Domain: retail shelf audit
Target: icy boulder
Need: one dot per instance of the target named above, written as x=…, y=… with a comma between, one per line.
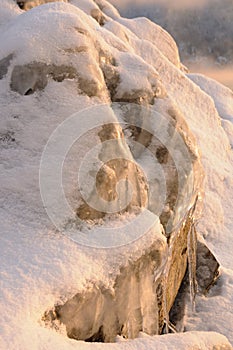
x=100, y=114
x=64, y=51
x=99, y=314
x=60, y=52
x=140, y=134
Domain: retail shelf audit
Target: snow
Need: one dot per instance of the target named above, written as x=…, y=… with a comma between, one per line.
x=222, y=97
x=9, y=11
x=39, y=265
x=103, y=5
x=149, y=31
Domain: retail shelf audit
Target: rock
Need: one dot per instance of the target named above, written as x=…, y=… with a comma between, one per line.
x=146, y=128
x=4, y=64
x=59, y=62
x=32, y=77
x=130, y=318
x=98, y=16
x=7, y=138
x=207, y=268
x=207, y=272
x=134, y=189
x=99, y=314
x=137, y=300
x=28, y=79
x=29, y=4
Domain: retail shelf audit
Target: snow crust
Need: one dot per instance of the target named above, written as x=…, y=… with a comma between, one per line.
x=39, y=266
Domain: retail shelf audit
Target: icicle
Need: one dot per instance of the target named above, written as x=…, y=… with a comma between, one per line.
x=192, y=255
x=171, y=327
x=161, y=275
x=164, y=288
x=166, y=314
x=192, y=258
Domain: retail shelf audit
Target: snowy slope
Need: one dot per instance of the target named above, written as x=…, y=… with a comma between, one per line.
x=39, y=266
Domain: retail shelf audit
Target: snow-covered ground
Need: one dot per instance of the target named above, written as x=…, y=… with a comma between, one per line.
x=40, y=266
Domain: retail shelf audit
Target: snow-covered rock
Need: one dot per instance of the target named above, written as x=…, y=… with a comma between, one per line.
x=88, y=95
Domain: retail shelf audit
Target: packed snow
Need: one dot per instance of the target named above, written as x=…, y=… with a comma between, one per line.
x=39, y=265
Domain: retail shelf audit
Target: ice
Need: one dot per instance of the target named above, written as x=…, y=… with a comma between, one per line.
x=192, y=251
